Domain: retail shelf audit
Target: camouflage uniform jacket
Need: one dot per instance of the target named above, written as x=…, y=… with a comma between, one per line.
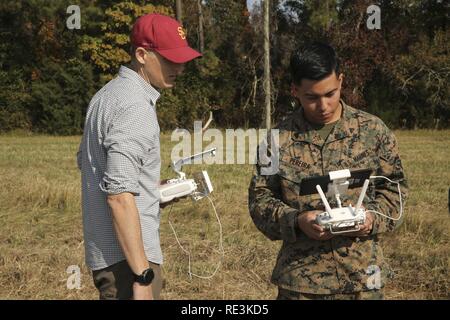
x=342, y=264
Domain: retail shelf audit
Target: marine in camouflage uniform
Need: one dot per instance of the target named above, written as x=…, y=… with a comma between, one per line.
x=340, y=265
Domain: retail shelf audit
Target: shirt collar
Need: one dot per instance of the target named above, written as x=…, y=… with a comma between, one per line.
x=150, y=93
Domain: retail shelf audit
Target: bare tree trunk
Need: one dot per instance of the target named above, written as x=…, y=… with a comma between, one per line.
x=179, y=9
x=200, y=26
x=267, y=63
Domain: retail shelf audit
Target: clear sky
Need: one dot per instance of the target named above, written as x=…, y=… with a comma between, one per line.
x=250, y=4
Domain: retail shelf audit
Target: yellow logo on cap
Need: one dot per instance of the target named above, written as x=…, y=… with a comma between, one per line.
x=182, y=33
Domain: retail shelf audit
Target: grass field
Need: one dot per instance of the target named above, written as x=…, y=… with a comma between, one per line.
x=41, y=230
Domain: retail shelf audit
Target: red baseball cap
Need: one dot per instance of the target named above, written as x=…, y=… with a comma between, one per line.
x=164, y=35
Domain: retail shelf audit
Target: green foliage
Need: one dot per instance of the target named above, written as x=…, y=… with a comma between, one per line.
x=321, y=14
x=13, y=101
x=384, y=102
x=110, y=48
x=422, y=76
x=48, y=73
x=60, y=96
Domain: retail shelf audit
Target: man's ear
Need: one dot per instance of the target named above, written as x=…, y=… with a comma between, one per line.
x=341, y=79
x=294, y=90
x=139, y=55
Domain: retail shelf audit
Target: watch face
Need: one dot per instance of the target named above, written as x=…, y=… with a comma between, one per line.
x=148, y=276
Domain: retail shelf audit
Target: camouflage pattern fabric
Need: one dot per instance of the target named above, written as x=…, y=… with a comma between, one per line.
x=284, y=294
x=342, y=264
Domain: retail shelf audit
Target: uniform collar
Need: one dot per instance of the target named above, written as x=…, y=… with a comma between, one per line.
x=150, y=93
x=344, y=127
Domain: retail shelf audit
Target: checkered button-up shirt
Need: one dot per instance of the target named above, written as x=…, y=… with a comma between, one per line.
x=119, y=152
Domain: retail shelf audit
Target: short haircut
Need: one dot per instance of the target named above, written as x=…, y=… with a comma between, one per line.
x=315, y=61
x=132, y=51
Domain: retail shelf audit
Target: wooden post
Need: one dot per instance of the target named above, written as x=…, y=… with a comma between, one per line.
x=267, y=63
x=179, y=10
x=200, y=26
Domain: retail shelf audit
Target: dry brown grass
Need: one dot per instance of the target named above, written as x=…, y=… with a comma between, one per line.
x=40, y=230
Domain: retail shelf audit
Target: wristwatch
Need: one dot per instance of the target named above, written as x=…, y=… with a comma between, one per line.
x=145, y=278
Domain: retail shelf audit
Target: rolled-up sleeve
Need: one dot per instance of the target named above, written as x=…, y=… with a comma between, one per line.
x=128, y=143
x=79, y=158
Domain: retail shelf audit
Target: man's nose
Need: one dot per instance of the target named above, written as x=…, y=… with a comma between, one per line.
x=322, y=103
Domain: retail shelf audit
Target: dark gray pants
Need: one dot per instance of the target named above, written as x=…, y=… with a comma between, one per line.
x=116, y=282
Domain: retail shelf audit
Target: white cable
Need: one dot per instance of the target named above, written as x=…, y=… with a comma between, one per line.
x=222, y=252
x=188, y=252
x=176, y=237
x=400, y=197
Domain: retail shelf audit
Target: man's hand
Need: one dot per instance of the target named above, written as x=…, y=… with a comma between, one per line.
x=141, y=292
x=163, y=205
x=307, y=223
x=365, y=229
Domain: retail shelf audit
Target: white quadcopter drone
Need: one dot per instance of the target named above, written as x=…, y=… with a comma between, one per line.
x=197, y=188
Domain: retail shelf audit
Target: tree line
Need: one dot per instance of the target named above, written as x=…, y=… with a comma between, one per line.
x=399, y=72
